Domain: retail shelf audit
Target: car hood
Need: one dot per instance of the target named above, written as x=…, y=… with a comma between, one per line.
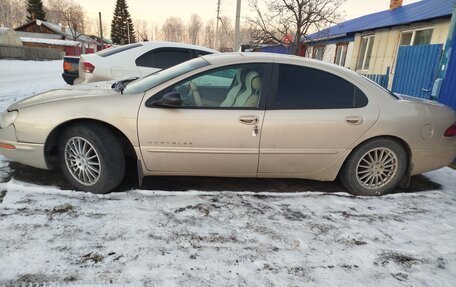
x=73, y=92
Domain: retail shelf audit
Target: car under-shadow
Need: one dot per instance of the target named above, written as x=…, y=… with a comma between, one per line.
x=56, y=178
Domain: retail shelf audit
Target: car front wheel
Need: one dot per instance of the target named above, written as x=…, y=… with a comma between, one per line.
x=375, y=168
x=91, y=158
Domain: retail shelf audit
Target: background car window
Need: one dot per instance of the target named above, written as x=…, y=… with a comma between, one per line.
x=306, y=88
x=163, y=58
x=197, y=53
x=237, y=86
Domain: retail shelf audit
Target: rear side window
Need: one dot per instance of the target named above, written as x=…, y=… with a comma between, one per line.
x=112, y=51
x=306, y=88
x=163, y=58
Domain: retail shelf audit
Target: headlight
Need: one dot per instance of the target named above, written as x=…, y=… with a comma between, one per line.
x=7, y=119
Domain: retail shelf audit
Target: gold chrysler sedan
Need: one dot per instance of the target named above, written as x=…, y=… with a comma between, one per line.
x=234, y=115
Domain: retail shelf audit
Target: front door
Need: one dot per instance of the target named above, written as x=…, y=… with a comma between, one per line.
x=216, y=129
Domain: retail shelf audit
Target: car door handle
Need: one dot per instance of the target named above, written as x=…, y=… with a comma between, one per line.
x=354, y=120
x=248, y=120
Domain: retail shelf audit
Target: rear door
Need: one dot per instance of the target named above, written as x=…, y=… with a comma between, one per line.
x=314, y=116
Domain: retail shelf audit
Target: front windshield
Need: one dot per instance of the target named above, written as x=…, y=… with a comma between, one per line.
x=155, y=79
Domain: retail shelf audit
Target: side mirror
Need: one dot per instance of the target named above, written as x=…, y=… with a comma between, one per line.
x=170, y=100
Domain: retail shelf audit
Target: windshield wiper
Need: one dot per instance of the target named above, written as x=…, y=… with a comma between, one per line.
x=120, y=86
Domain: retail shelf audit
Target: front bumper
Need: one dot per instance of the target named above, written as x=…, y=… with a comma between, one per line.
x=31, y=154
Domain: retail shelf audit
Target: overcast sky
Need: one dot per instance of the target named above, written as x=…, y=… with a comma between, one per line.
x=156, y=11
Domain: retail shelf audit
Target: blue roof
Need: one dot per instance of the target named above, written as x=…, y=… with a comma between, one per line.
x=415, y=12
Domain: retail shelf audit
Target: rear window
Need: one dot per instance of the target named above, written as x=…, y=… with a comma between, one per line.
x=112, y=51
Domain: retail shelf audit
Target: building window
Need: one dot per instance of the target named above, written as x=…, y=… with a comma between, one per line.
x=416, y=37
x=341, y=54
x=318, y=52
x=365, y=52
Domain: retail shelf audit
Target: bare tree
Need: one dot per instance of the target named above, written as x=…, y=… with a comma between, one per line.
x=12, y=13
x=209, y=35
x=278, y=18
x=152, y=35
x=157, y=33
x=194, y=28
x=226, y=33
x=92, y=26
x=68, y=13
x=246, y=35
x=173, y=29
x=142, y=29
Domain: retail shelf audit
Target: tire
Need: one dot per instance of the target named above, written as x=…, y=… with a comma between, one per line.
x=102, y=168
x=375, y=168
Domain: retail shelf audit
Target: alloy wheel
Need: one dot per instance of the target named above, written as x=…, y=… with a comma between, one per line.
x=82, y=161
x=376, y=168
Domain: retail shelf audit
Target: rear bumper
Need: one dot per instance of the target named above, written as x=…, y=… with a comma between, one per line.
x=26, y=153
x=69, y=77
x=427, y=160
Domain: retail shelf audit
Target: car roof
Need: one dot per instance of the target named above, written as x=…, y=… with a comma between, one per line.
x=159, y=44
x=248, y=57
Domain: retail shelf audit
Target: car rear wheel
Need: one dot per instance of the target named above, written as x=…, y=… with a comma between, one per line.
x=91, y=158
x=375, y=168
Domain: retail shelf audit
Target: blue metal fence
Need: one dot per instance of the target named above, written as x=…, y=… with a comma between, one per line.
x=380, y=79
x=448, y=91
x=416, y=69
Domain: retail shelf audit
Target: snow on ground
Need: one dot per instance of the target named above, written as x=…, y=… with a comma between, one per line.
x=155, y=238
x=220, y=238
x=20, y=79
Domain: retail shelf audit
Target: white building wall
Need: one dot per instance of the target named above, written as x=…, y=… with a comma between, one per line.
x=351, y=46
x=330, y=53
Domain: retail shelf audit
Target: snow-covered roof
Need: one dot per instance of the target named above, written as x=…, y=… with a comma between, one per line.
x=38, y=35
x=59, y=30
x=51, y=41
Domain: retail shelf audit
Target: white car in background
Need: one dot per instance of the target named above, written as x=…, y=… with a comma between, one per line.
x=134, y=60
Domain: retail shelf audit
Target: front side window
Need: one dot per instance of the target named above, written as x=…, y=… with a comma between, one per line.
x=238, y=86
x=365, y=53
x=307, y=88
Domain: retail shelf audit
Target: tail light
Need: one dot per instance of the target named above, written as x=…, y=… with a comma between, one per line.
x=67, y=66
x=88, y=68
x=451, y=131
